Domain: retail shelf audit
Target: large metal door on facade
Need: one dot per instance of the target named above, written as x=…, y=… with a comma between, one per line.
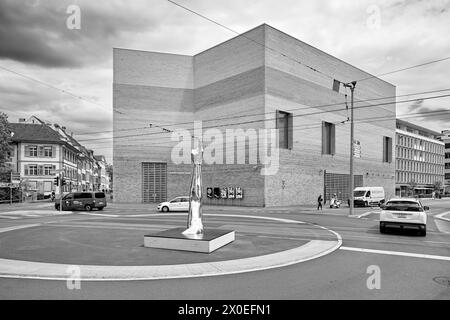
x=154, y=182
x=339, y=184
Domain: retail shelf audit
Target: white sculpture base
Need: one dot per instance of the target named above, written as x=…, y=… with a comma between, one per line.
x=173, y=239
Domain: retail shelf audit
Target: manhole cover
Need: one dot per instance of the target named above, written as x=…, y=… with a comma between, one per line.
x=444, y=281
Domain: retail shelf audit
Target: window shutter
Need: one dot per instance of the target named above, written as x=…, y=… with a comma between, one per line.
x=40, y=170
x=53, y=167
x=384, y=149
x=332, y=139
x=41, y=151
x=53, y=152
x=26, y=170
x=27, y=151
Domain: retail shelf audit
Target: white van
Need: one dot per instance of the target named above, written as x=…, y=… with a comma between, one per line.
x=366, y=196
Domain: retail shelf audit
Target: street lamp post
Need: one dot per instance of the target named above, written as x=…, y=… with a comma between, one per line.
x=352, y=86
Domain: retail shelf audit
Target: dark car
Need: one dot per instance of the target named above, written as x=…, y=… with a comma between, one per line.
x=82, y=201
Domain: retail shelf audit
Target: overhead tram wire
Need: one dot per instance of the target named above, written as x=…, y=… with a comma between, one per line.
x=295, y=109
x=302, y=127
x=404, y=69
x=263, y=120
x=253, y=40
x=59, y=89
x=283, y=54
x=339, y=123
x=271, y=119
x=367, y=120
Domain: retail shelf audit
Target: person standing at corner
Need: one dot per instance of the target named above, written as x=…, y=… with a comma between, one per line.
x=319, y=202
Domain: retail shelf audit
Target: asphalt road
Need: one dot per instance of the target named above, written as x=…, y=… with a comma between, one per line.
x=409, y=266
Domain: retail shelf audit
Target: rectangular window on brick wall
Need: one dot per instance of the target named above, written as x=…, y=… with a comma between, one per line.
x=328, y=138
x=387, y=149
x=284, y=122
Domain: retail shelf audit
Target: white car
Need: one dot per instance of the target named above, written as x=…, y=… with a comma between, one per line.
x=176, y=204
x=404, y=213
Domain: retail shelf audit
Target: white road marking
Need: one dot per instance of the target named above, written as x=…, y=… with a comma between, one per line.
x=32, y=213
x=359, y=216
x=101, y=214
x=441, y=216
x=397, y=253
x=18, y=227
x=8, y=217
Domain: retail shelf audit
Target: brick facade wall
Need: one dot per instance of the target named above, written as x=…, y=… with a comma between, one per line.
x=237, y=78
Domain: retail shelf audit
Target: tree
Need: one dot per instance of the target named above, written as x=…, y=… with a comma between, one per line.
x=109, y=171
x=437, y=186
x=5, y=147
x=412, y=187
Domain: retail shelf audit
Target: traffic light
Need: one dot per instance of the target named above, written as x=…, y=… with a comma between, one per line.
x=56, y=181
x=63, y=181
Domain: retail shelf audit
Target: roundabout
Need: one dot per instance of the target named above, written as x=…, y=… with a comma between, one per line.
x=110, y=248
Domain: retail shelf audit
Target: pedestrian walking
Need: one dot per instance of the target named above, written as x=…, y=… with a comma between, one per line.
x=319, y=202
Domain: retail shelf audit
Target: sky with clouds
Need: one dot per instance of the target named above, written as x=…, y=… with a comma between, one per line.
x=376, y=36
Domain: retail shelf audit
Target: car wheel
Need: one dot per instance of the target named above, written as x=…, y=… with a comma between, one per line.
x=165, y=209
x=57, y=207
x=100, y=208
x=423, y=232
x=88, y=207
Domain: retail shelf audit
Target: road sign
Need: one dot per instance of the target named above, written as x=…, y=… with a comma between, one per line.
x=15, y=177
x=356, y=149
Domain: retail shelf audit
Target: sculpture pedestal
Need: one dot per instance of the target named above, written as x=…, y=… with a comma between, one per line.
x=173, y=239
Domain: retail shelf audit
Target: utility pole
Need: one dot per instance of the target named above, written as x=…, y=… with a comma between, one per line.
x=60, y=192
x=352, y=86
x=10, y=189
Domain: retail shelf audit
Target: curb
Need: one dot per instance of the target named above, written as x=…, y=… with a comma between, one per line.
x=52, y=271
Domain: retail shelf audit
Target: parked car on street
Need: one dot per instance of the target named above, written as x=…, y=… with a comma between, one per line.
x=404, y=214
x=82, y=201
x=176, y=204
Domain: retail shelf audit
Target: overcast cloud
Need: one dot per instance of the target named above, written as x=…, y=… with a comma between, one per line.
x=376, y=36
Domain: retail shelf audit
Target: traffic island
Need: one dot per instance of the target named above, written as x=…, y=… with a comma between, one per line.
x=111, y=248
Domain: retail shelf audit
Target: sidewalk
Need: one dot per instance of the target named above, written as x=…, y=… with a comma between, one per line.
x=30, y=205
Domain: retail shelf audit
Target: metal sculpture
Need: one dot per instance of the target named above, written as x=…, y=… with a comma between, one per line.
x=194, y=224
